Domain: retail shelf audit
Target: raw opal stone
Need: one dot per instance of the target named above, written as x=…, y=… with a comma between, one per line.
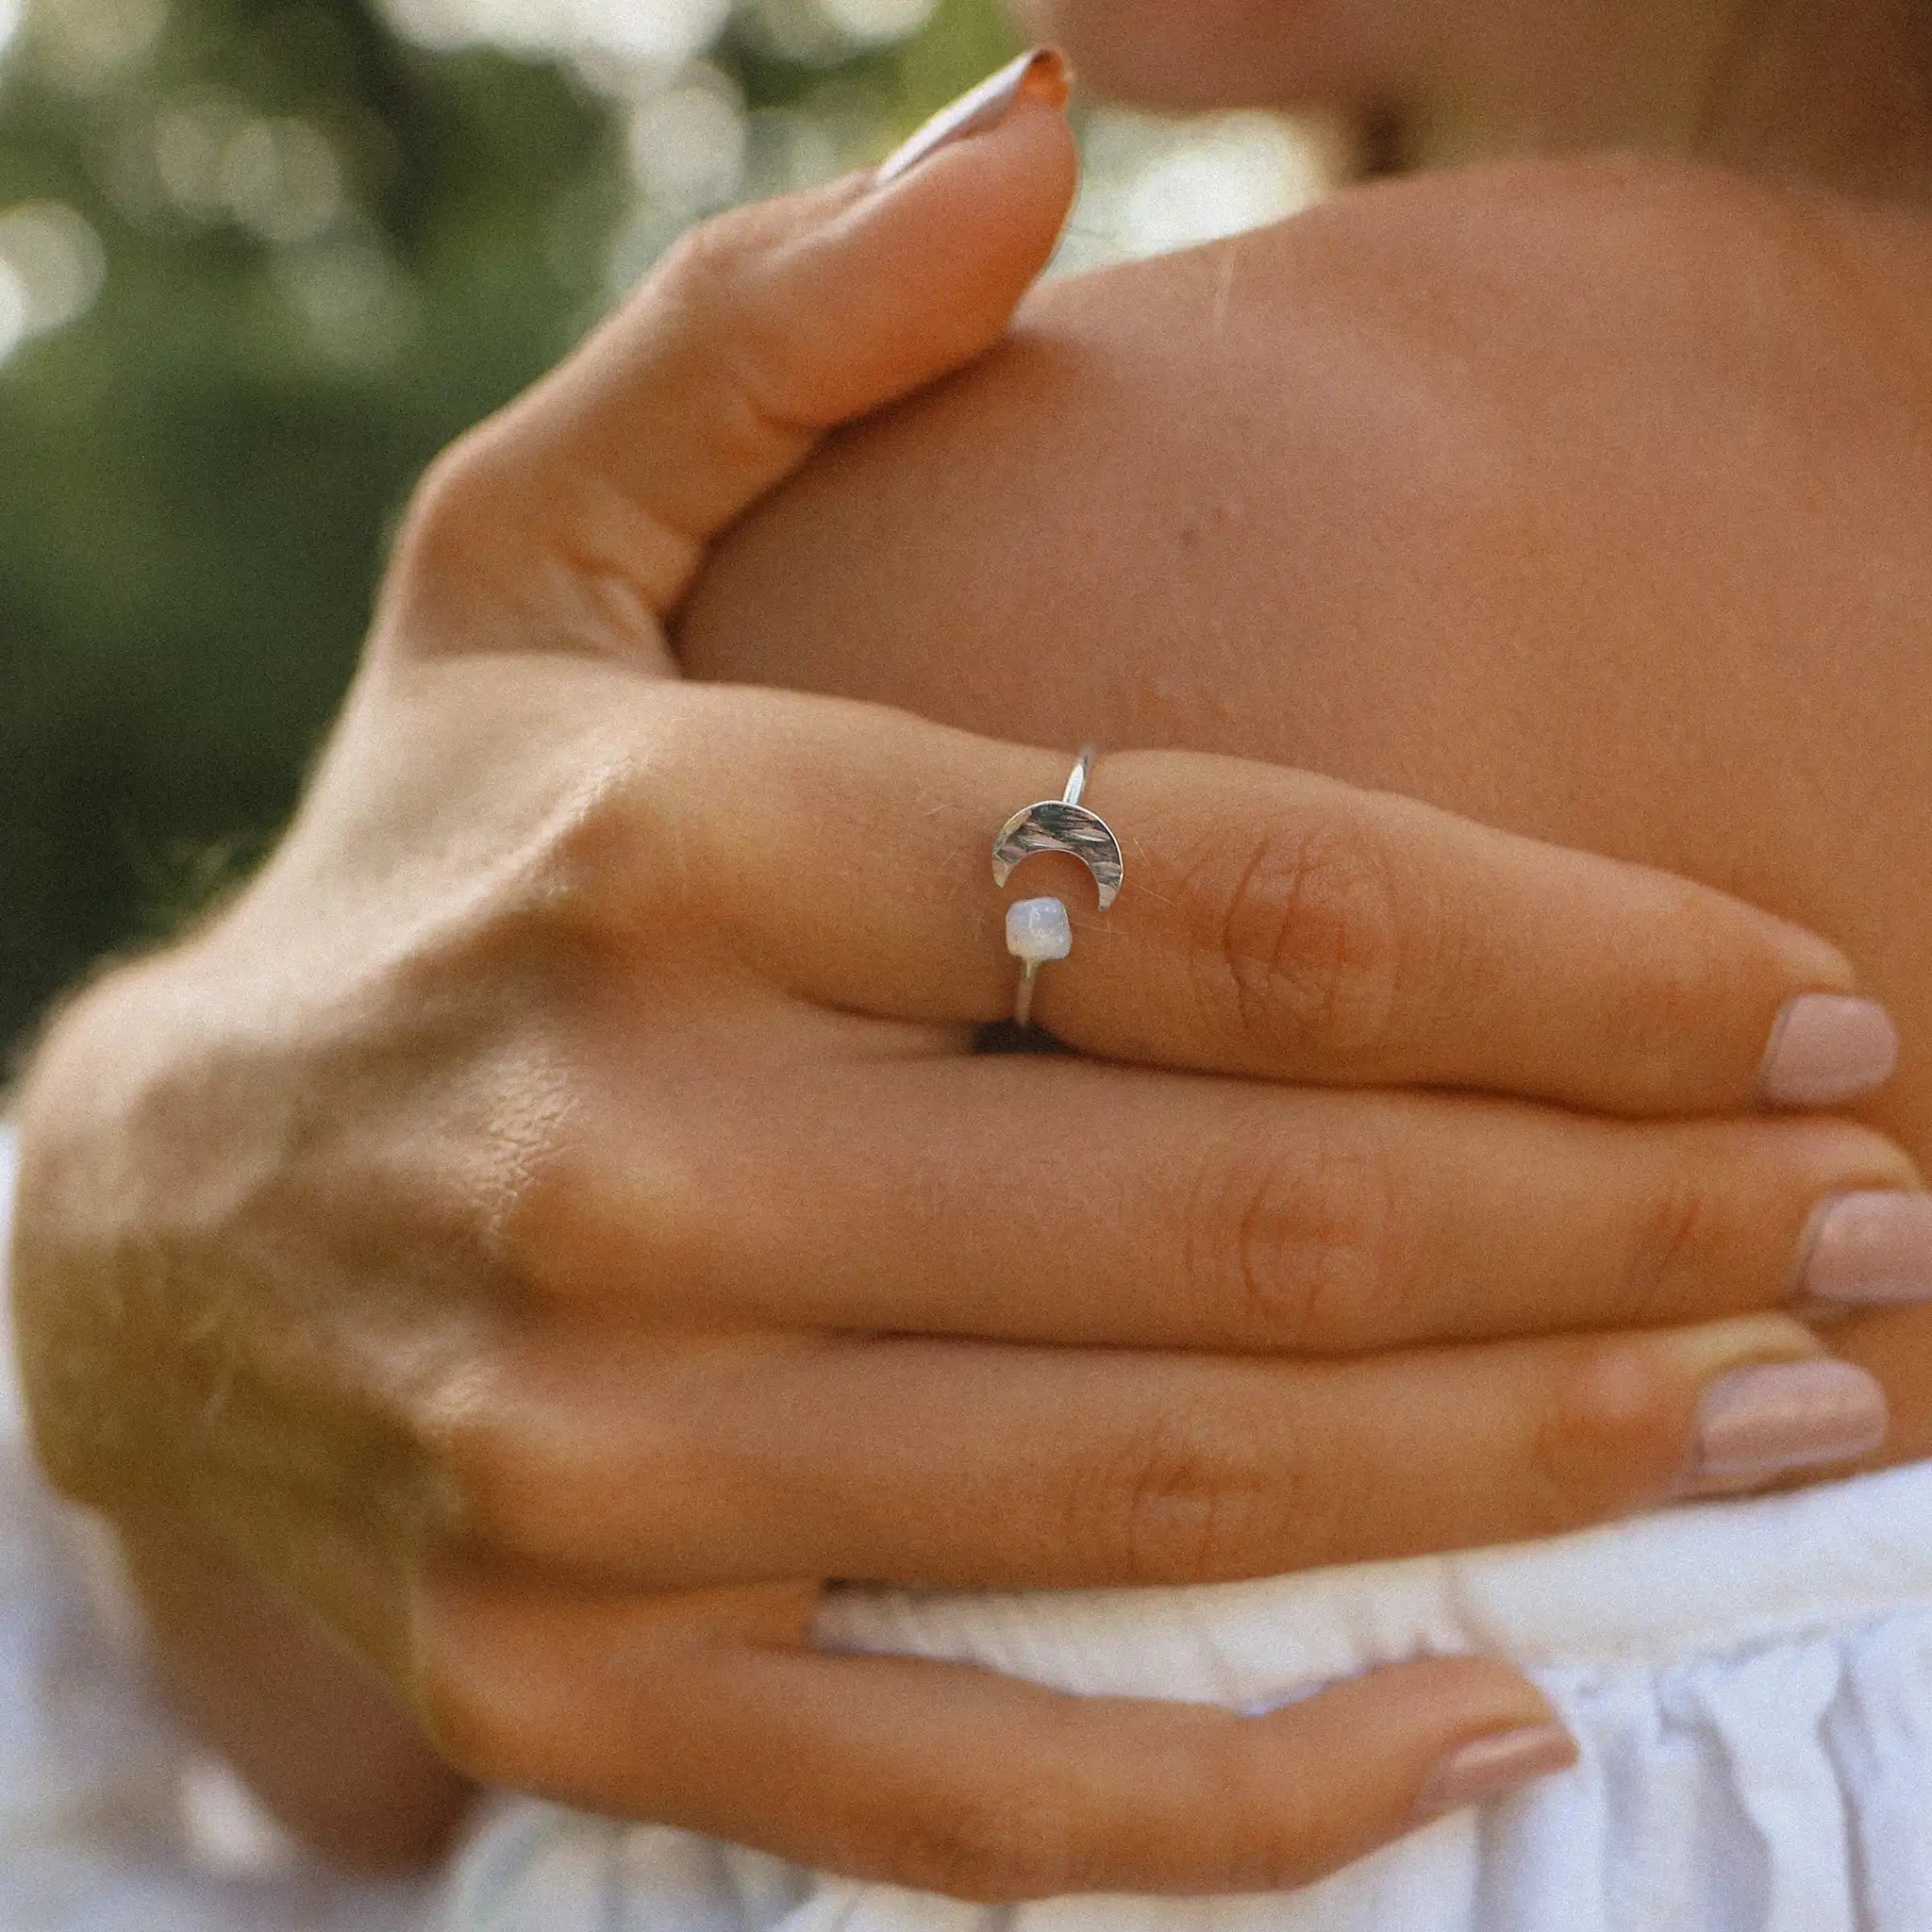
x=1039, y=929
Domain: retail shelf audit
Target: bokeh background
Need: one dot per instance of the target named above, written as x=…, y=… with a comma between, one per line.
x=259, y=262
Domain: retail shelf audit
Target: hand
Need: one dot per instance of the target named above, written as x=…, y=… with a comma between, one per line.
x=553, y=1221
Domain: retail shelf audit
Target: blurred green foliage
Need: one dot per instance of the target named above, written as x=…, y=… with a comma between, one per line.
x=199, y=472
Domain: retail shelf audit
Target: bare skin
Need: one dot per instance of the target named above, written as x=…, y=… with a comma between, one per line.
x=507, y=1669
x=1586, y=500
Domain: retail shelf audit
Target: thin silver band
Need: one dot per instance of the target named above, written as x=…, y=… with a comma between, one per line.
x=1023, y=998
x=1083, y=766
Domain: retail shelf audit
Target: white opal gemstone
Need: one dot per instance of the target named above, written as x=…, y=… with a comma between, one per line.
x=1039, y=929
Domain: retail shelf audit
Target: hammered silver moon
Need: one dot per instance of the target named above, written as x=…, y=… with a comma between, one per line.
x=1054, y=825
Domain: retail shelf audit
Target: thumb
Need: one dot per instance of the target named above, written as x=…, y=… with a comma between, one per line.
x=769, y=326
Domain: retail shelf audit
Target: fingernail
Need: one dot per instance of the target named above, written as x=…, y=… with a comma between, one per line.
x=1872, y=1249
x=1825, y=1048
x=1490, y=1767
x=1042, y=75
x=1760, y=1423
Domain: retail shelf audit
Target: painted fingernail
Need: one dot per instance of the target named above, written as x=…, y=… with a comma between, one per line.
x=1490, y=1767
x=1827, y=1048
x=1041, y=75
x=1760, y=1423
x=1870, y=1249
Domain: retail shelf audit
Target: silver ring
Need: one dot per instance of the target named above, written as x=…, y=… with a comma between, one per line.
x=1039, y=929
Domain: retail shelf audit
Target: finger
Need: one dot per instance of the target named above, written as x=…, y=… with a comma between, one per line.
x=983, y=1464
x=1058, y=1200
x=762, y=330
x=1271, y=922
x=950, y=1779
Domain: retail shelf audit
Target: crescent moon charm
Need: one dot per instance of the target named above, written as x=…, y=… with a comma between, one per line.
x=1054, y=825
x=1037, y=930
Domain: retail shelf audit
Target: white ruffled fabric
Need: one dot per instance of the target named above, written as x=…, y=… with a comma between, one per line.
x=1751, y=1684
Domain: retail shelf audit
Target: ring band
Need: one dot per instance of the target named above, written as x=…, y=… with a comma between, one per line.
x=1039, y=929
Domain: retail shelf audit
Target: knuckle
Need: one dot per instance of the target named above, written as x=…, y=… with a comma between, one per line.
x=465, y=1657
x=545, y=1452
x=1301, y=940
x=508, y=1464
x=613, y=856
x=538, y=1226
x=1298, y=1240
x=1610, y=1434
x=1190, y=1497
x=709, y=258
x=1672, y=1265
x=595, y=850
x=1669, y=989
x=744, y=352
x=518, y=1687
x=458, y=508
x=575, y=1238
x=471, y=1733
x=634, y=850
x=471, y=1432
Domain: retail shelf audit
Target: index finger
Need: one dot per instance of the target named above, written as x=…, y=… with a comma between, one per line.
x=1270, y=922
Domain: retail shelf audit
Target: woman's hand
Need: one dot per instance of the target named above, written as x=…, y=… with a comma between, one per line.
x=554, y=1220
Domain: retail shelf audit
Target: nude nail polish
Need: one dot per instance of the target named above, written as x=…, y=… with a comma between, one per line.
x=1492, y=1767
x=1872, y=1249
x=1041, y=74
x=1827, y=1048
x=1757, y=1424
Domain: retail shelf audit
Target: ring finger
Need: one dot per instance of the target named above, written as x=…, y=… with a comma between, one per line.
x=1271, y=923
